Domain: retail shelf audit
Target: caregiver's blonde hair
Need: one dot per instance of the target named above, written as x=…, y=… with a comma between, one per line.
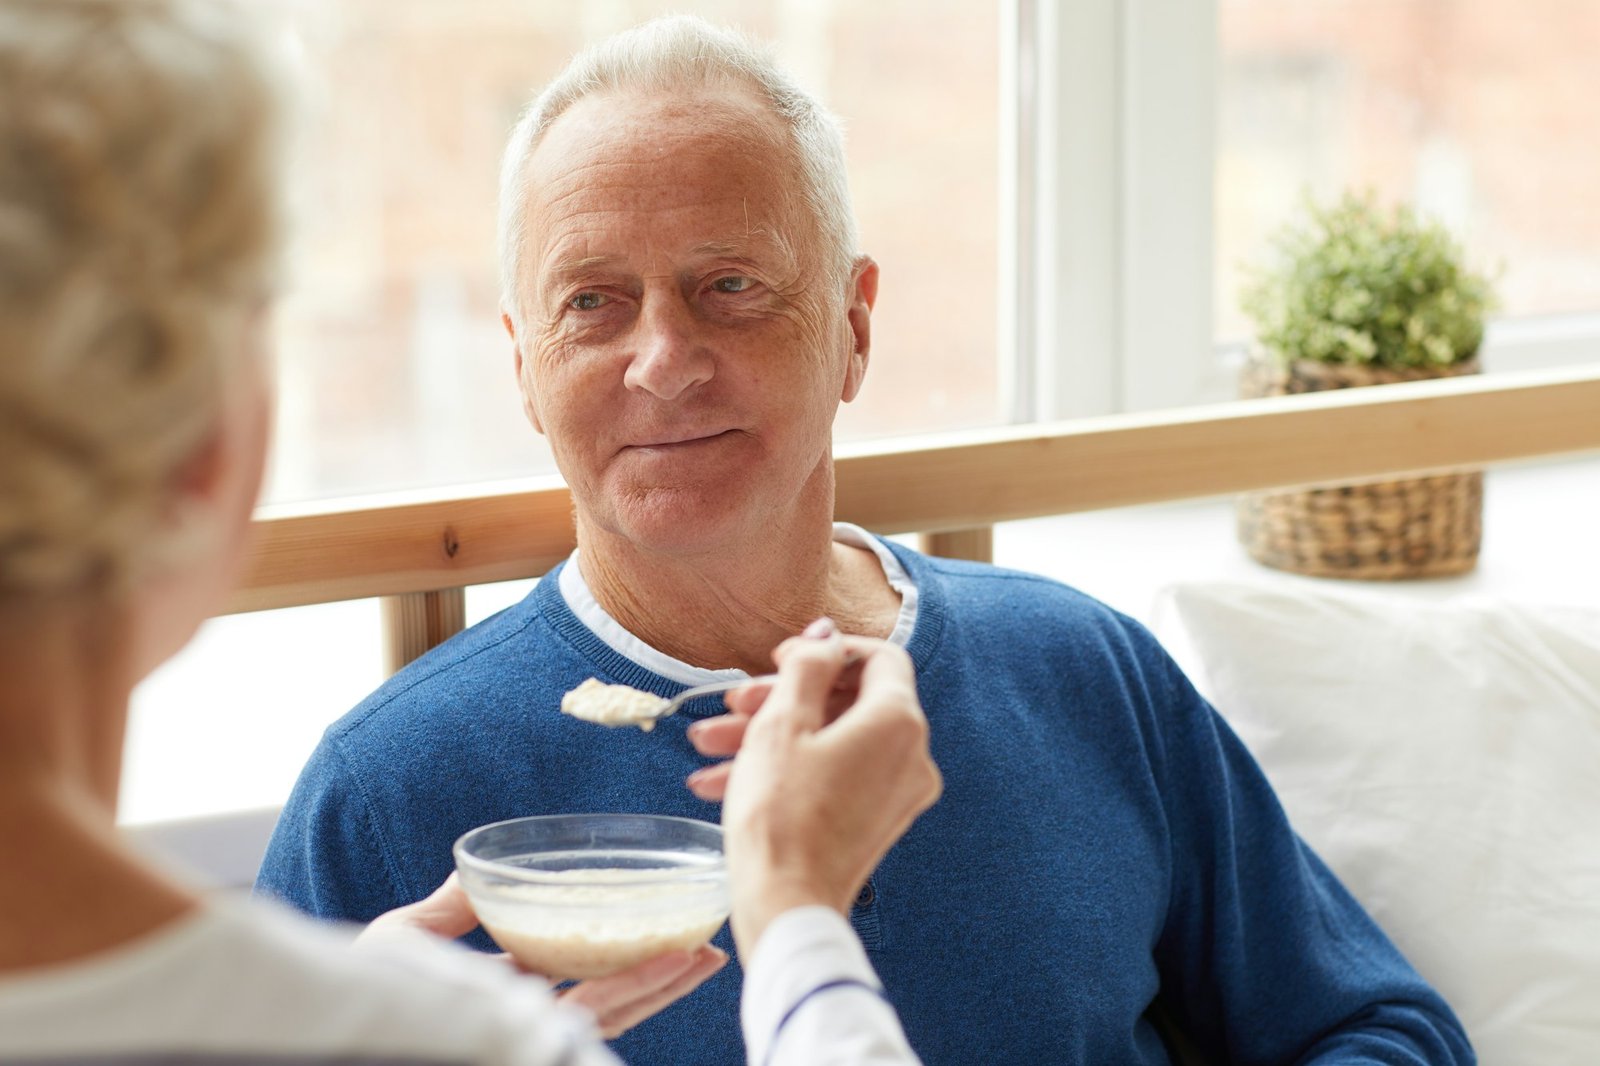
x=138, y=236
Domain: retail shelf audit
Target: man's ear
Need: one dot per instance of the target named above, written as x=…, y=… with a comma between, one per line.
x=524, y=385
x=863, y=295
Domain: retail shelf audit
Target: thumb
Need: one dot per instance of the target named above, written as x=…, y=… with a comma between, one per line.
x=447, y=912
x=808, y=668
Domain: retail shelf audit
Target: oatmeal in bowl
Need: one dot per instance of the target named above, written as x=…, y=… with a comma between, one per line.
x=575, y=896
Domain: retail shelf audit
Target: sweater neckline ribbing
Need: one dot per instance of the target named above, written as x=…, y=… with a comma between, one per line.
x=612, y=666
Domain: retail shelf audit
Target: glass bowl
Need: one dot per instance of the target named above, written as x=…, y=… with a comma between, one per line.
x=574, y=896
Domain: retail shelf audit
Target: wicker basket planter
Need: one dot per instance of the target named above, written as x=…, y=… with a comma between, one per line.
x=1418, y=527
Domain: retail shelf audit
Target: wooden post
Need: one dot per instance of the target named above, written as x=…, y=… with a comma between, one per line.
x=414, y=622
x=976, y=544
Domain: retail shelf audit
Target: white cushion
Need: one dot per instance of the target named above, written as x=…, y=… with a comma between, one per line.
x=1444, y=760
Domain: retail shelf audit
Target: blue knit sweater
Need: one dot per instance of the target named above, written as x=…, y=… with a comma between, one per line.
x=1103, y=841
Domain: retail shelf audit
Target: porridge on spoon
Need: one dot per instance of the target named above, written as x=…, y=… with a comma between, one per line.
x=613, y=705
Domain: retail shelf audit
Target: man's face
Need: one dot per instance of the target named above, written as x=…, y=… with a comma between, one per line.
x=681, y=343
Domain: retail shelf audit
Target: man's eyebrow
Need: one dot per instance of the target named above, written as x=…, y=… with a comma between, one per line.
x=720, y=248
x=762, y=245
x=563, y=269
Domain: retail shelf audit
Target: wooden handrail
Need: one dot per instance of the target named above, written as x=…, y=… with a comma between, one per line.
x=478, y=534
x=1338, y=437
x=381, y=546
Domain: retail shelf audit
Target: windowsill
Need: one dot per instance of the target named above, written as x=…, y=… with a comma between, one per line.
x=1540, y=523
x=1512, y=343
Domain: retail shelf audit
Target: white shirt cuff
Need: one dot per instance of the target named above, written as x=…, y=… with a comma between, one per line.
x=805, y=956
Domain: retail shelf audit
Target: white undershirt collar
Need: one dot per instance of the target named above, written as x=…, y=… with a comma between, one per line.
x=575, y=591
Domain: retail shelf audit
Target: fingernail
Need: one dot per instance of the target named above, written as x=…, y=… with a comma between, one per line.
x=694, y=730
x=821, y=629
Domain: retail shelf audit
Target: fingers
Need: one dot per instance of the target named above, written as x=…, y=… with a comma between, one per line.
x=887, y=698
x=823, y=629
x=722, y=736
x=888, y=720
x=710, y=783
x=747, y=699
x=886, y=672
x=446, y=913
x=719, y=737
x=625, y=999
x=708, y=960
x=807, y=669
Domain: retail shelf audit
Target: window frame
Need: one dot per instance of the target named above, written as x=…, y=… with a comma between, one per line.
x=1108, y=156
x=1108, y=166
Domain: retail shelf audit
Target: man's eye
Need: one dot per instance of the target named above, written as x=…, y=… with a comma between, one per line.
x=586, y=301
x=732, y=283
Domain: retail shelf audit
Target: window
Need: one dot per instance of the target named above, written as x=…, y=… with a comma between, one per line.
x=1160, y=144
x=1479, y=113
x=396, y=372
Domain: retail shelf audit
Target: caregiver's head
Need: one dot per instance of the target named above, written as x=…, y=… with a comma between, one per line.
x=138, y=243
x=682, y=283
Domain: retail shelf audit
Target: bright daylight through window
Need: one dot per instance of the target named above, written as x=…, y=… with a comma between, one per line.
x=396, y=372
x=1481, y=114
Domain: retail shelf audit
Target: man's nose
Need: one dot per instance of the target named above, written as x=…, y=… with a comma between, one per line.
x=669, y=357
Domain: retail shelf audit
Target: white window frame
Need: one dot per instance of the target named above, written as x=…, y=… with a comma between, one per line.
x=1108, y=140
x=1107, y=158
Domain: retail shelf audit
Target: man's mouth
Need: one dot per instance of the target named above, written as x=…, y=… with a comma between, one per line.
x=671, y=441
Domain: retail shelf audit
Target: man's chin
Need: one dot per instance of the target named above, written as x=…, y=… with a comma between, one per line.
x=680, y=520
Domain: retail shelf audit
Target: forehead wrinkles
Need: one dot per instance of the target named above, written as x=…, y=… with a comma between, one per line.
x=638, y=195
x=647, y=165
x=635, y=138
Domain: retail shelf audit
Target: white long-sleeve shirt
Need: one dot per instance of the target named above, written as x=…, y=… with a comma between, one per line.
x=811, y=998
x=247, y=983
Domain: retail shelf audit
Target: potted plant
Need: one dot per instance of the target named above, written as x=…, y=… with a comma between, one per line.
x=1363, y=296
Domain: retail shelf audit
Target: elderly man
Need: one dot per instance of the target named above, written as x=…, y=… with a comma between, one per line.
x=688, y=309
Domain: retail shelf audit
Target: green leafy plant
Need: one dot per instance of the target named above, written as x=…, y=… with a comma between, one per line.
x=1356, y=284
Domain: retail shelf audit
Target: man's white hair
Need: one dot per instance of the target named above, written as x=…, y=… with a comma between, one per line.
x=682, y=52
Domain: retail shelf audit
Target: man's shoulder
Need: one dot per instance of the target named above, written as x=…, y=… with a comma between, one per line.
x=1031, y=613
x=979, y=587
x=514, y=653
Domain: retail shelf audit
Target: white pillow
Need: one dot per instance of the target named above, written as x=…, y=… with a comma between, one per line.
x=1444, y=760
